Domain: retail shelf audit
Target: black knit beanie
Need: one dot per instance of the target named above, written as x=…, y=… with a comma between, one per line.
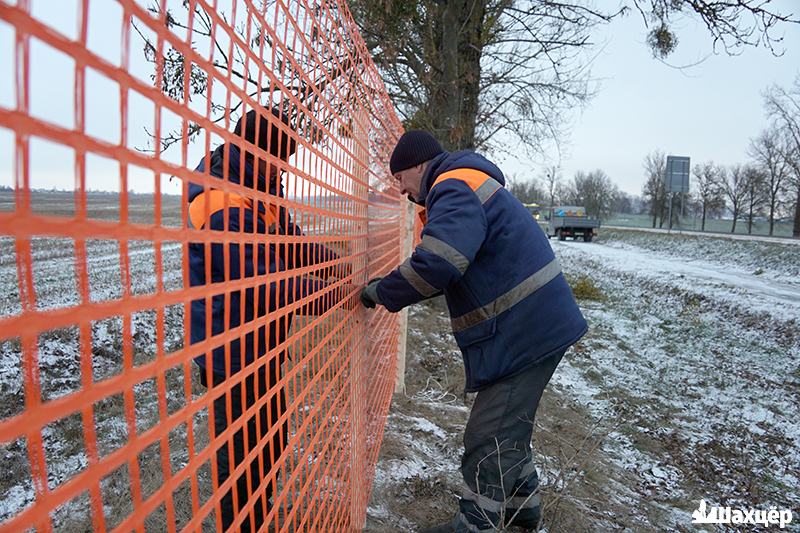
x=270, y=136
x=413, y=148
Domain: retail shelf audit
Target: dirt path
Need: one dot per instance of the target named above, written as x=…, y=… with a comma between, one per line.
x=729, y=282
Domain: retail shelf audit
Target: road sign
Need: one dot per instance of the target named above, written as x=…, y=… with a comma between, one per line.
x=677, y=176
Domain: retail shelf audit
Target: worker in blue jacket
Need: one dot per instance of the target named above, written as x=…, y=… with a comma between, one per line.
x=512, y=313
x=244, y=361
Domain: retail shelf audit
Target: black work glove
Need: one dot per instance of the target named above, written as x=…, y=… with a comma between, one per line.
x=369, y=294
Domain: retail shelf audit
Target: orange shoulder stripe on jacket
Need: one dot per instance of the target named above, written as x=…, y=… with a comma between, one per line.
x=217, y=202
x=474, y=178
x=470, y=176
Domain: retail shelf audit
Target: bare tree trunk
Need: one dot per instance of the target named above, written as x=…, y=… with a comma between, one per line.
x=654, y=208
x=796, y=227
x=446, y=96
x=735, y=218
x=771, y=217
x=470, y=49
x=703, y=221
x=452, y=111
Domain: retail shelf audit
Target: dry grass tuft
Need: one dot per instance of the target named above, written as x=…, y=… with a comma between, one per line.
x=584, y=288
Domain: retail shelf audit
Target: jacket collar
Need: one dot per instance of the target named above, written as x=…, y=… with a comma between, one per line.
x=215, y=162
x=431, y=172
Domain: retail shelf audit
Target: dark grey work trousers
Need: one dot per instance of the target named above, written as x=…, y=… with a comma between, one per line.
x=248, y=395
x=500, y=479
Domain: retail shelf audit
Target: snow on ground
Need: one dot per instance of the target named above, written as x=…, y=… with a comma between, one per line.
x=726, y=282
x=700, y=362
x=692, y=365
x=55, y=284
x=779, y=261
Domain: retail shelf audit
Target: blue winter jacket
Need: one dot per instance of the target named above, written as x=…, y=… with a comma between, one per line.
x=275, y=257
x=509, y=303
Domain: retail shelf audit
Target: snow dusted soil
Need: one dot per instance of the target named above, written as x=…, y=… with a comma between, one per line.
x=772, y=259
x=55, y=283
x=59, y=353
x=686, y=387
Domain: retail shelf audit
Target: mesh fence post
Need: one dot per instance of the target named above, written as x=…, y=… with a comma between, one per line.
x=407, y=238
x=359, y=353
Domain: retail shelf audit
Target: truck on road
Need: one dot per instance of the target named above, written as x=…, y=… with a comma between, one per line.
x=571, y=221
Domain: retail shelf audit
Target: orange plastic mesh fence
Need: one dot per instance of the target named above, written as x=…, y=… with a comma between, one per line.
x=113, y=301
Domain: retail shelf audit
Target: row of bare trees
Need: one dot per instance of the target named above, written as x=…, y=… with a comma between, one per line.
x=768, y=185
x=593, y=190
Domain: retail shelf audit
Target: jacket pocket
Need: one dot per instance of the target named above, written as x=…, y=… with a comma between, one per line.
x=477, y=333
x=476, y=347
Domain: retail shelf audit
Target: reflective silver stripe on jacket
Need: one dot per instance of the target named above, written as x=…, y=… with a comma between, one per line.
x=487, y=189
x=472, y=527
x=484, y=502
x=445, y=251
x=416, y=281
x=525, y=502
x=506, y=301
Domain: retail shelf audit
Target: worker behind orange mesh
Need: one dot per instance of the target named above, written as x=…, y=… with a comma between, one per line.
x=254, y=368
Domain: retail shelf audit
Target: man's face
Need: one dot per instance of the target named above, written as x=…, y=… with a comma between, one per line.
x=268, y=171
x=410, y=180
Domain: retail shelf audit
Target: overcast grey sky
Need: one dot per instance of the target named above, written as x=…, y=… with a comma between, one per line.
x=708, y=111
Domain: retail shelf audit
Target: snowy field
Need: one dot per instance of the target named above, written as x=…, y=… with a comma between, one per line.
x=55, y=283
x=686, y=387
x=781, y=229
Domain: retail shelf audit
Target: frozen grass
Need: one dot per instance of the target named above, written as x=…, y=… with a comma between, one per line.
x=772, y=260
x=760, y=227
x=584, y=288
x=686, y=387
x=59, y=364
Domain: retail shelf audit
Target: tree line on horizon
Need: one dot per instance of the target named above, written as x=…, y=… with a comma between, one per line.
x=593, y=190
x=765, y=187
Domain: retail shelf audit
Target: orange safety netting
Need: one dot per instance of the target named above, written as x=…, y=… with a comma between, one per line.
x=106, y=423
